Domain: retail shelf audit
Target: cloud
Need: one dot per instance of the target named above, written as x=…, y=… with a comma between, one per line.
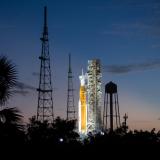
x=23, y=89
x=21, y=92
x=148, y=24
x=155, y=45
x=36, y=74
x=142, y=4
x=121, y=69
x=150, y=28
x=116, y=32
x=136, y=28
x=24, y=86
x=132, y=4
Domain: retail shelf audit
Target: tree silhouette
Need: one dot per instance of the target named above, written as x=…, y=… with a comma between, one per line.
x=38, y=132
x=11, y=128
x=60, y=134
x=65, y=129
x=8, y=77
x=11, y=117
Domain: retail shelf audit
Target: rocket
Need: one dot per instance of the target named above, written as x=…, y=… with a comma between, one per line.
x=82, y=107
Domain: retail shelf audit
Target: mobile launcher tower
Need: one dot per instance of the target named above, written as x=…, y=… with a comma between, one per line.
x=90, y=98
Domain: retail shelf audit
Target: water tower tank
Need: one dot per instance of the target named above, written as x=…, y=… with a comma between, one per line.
x=111, y=87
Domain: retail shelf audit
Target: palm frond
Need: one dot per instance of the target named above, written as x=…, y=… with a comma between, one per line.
x=11, y=117
x=8, y=78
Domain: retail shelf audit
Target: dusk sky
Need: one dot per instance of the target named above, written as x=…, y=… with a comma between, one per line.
x=124, y=35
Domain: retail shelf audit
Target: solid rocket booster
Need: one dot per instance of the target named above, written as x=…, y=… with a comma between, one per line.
x=82, y=105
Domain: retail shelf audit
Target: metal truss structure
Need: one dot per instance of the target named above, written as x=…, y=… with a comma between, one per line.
x=45, y=101
x=94, y=95
x=70, y=95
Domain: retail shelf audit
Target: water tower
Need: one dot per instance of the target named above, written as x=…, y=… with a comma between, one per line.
x=111, y=115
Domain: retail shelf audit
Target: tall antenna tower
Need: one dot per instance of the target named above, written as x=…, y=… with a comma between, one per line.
x=45, y=101
x=70, y=94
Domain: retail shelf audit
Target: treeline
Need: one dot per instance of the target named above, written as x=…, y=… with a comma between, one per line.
x=63, y=133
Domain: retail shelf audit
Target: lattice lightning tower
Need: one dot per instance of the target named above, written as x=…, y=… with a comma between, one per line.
x=70, y=94
x=45, y=101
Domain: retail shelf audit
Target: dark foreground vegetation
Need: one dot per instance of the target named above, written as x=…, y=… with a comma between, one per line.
x=61, y=135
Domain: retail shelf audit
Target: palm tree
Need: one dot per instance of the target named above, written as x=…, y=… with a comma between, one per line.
x=11, y=123
x=11, y=128
x=11, y=117
x=8, y=77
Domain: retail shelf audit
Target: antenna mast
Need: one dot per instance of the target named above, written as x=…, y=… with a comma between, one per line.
x=70, y=94
x=45, y=101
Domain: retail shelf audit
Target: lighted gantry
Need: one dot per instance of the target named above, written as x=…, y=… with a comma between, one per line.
x=90, y=98
x=94, y=95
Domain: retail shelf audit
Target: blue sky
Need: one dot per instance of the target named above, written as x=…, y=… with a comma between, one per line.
x=120, y=33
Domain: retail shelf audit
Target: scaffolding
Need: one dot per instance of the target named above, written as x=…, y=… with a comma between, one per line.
x=94, y=95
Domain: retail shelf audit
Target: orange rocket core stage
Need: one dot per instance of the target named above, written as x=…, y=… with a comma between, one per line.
x=83, y=109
